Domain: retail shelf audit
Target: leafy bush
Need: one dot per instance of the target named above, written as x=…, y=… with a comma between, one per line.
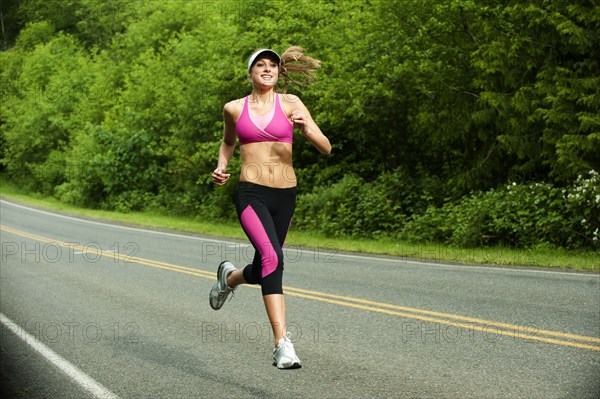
x=118, y=169
x=349, y=207
x=583, y=210
x=519, y=215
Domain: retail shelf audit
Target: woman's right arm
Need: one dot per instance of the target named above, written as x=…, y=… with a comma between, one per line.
x=220, y=175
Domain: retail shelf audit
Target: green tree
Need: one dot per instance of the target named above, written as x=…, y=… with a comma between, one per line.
x=537, y=68
x=92, y=22
x=46, y=83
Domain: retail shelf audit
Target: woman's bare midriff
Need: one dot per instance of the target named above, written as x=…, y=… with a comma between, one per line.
x=268, y=164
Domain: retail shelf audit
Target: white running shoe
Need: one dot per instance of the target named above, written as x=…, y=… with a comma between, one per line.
x=284, y=355
x=220, y=291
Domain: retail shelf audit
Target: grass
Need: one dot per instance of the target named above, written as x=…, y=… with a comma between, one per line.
x=425, y=252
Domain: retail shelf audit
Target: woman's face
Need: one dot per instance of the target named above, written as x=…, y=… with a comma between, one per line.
x=265, y=72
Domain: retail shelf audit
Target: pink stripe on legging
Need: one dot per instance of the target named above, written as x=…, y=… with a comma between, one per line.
x=261, y=241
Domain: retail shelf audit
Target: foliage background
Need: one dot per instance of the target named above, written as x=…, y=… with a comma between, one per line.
x=469, y=122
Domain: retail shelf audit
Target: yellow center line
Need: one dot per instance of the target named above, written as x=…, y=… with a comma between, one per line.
x=124, y=258
x=521, y=333
x=521, y=329
x=469, y=323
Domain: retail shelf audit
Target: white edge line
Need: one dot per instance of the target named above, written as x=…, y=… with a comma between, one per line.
x=81, y=220
x=401, y=260
x=475, y=267
x=78, y=376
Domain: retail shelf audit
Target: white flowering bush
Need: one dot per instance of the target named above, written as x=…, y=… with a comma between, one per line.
x=583, y=205
x=517, y=215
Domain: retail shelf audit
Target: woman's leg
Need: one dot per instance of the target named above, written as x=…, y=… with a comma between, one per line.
x=267, y=268
x=275, y=303
x=265, y=215
x=236, y=278
x=275, y=306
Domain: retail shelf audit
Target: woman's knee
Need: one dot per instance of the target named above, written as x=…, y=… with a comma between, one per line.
x=273, y=282
x=272, y=260
x=272, y=274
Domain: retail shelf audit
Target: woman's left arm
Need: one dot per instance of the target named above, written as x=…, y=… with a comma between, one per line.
x=302, y=119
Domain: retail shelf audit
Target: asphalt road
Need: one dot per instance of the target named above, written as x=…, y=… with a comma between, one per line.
x=93, y=309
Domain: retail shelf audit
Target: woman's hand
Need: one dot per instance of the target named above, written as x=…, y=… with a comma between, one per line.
x=300, y=120
x=219, y=177
x=304, y=122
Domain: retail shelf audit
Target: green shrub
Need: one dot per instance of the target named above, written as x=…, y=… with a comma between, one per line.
x=119, y=170
x=349, y=207
x=583, y=211
x=518, y=215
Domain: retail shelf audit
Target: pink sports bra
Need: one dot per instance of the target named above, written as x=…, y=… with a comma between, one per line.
x=275, y=126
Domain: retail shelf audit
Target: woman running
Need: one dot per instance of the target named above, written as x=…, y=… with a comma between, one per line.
x=266, y=195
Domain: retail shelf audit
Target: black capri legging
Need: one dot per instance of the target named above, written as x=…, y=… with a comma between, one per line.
x=265, y=214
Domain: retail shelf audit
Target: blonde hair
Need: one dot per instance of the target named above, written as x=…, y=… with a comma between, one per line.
x=297, y=68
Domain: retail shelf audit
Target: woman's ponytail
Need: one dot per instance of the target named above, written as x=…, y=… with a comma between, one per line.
x=297, y=68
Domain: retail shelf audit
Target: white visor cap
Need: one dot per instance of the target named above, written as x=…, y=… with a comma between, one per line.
x=255, y=55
